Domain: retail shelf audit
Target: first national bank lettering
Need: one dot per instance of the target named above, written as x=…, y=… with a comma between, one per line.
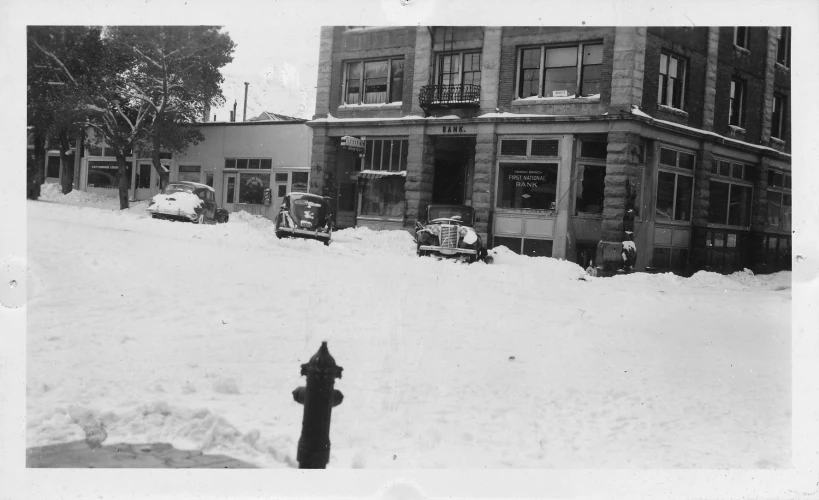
x=527, y=178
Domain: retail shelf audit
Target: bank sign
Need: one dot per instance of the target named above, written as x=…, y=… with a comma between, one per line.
x=526, y=178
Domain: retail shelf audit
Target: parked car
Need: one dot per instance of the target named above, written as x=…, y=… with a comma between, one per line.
x=304, y=215
x=187, y=201
x=449, y=231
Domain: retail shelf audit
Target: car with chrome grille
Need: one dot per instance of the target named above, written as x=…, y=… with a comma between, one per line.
x=305, y=215
x=448, y=231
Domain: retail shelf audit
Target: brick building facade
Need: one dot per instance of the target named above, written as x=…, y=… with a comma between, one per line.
x=566, y=141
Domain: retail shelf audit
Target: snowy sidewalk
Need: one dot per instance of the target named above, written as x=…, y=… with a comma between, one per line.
x=78, y=454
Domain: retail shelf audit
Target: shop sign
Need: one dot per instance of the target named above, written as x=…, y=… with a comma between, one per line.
x=353, y=143
x=560, y=93
x=453, y=129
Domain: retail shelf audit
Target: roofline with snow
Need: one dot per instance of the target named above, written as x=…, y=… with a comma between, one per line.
x=261, y=122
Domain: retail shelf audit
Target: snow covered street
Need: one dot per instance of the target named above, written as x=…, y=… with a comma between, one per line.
x=194, y=335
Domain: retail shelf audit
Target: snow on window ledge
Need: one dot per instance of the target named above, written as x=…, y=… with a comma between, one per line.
x=673, y=111
x=742, y=50
x=782, y=67
x=737, y=130
x=777, y=141
x=383, y=105
x=535, y=100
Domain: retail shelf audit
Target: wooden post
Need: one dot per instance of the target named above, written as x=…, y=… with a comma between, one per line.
x=318, y=399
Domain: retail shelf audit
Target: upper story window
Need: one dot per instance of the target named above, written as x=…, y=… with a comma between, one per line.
x=672, y=81
x=778, y=116
x=560, y=71
x=462, y=68
x=741, y=36
x=783, y=46
x=736, y=110
x=374, y=82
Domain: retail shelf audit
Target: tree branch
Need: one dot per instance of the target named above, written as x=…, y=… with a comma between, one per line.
x=57, y=60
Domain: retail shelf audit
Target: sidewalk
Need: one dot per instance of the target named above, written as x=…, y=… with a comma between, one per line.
x=77, y=454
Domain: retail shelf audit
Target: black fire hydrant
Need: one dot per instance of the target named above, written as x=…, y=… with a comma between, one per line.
x=318, y=399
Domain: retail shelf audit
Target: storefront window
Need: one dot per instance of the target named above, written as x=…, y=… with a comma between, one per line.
x=189, y=173
x=103, y=174
x=299, y=183
x=385, y=154
x=144, y=176
x=383, y=197
x=53, y=167
x=527, y=186
x=252, y=186
x=674, y=192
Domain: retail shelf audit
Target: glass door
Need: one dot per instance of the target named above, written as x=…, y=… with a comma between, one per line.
x=229, y=193
x=280, y=189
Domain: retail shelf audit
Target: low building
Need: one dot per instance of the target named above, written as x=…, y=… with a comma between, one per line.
x=566, y=141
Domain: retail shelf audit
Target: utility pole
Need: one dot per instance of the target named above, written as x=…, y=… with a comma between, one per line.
x=233, y=116
x=244, y=111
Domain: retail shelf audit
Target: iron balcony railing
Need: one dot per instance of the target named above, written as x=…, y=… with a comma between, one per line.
x=449, y=96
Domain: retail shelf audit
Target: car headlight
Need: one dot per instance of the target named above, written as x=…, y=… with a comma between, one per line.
x=470, y=237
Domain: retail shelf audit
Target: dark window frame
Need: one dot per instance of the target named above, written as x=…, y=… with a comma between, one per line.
x=678, y=84
x=783, y=46
x=232, y=163
x=779, y=106
x=736, y=103
x=580, y=65
x=439, y=61
x=362, y=81
x=741, y=36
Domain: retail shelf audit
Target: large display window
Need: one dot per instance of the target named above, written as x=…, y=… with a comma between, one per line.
x=527, y=186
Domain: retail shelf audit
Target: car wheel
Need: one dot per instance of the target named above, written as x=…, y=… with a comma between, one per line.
x=154, y=216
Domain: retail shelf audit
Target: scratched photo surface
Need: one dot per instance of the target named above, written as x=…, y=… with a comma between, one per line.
x=528, y=247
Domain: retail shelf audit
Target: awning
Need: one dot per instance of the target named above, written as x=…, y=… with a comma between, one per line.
x=378, y=174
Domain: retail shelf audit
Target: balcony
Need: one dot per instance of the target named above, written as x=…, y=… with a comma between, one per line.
x=449, y=96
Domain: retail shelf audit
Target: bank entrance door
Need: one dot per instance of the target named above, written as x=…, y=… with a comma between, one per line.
x=454, y=169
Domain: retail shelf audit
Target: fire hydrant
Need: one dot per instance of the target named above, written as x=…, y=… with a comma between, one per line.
x=318, y=399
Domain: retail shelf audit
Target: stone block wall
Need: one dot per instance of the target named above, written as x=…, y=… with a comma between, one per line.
x=325, y=71
x=323, y=167
x=420, y=171
x=483, y=185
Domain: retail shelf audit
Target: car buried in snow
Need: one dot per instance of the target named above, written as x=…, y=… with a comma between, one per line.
x=305, y=215
x=188, y=202
x=449, y=231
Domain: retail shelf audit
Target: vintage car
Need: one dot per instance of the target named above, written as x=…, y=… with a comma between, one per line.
x=304, y=215
x=448, y=231
x=189, y=202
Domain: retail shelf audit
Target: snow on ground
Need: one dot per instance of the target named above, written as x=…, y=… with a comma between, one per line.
x=194, y=335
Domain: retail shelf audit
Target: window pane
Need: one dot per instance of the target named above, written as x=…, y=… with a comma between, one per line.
x=724, y=168
x=591, y=183
x=383, y=197
x=593, y=149
x=397, y=81
x=266, y=164
x=663, y=64
x=718, y=203
x=739, y=213
x=774, y=208
x=253, y=163
x=592, y=78
x=368, y=155
x=105, y=174
x=231, y=188
x=668, y=157
x=513, y=147
x=230, y=162
x=593, y=54
x=209, y=179
x=252, y=186
x=687, y=161
x=685, y=189
x=353, y=82
x=736, y=171
x=665, y=196
x=280, y=177
x=395, y=158
x=241, y=163
x=299, y=183
x=386, y=153
x=404, y=152
x=189, y=173
x=560, y=79
x=560, y=57
x=544, y=148
x=375, y=82
x=749, y=172
x=377, y=154
x=527, y=186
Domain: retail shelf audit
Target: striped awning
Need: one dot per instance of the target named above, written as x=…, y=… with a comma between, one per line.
x=378, y=174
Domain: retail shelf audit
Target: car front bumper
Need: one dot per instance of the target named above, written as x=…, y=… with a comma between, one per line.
x=175, y=214
x=448, y=251
x=316, y=233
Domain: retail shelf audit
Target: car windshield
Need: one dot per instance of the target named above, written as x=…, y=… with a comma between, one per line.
x=177, y=188
x=462, y=214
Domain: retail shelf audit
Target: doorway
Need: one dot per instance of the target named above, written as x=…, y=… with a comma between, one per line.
x=454, y=168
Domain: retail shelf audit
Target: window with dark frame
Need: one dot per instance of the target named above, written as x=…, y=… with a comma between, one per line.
x=674, y=189
x=671, y=81
x=462, y=68
x=568, y=71
x=385, y=154
x=249, y=163
x=783, y=46
x=779, y=200
x=736, y=114
x=374, y=82
x=778, y=116
x=741, y=36
x=527, y=185
x=590, y=181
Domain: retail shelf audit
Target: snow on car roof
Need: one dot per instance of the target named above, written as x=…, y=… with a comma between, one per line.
x=195, y=184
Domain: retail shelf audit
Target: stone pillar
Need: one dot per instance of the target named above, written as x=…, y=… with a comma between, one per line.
x=759, y=216
x=490, y=68
x=767, y=104
x=710, y=79
x=483, y=185
x=325, y=70
x=622, y=171
x=423, y=62
x=628, y=66
x=699, y=216
x=420, y=171
x=563, y=237
x=323, y=167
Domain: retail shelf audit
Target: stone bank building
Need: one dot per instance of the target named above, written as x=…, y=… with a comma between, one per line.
x=553, y=134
